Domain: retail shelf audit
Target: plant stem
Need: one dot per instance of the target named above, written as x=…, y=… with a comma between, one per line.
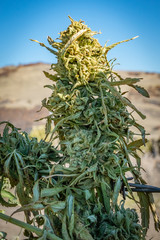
x=28, y=227
x=21, y=224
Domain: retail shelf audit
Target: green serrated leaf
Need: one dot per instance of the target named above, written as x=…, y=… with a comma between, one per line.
x=70, y=205
x=57, y=206
x=136, y=144
x=30, y=207
x=126, y=81
x=19, y=169
x=116, y=192
x=7, y=165
x=144, y=209
x=141, y=90
x=36, y=193
x=49, y=192
x=106, y=196
x=142, y=130
x=51, y=76
x=65, y=233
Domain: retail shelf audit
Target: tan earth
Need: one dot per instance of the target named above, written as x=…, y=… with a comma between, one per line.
x=21, y=92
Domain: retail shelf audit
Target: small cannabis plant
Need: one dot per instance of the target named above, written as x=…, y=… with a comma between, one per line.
x=72, y=190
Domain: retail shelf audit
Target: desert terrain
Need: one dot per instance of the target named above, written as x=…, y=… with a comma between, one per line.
x=21, y=93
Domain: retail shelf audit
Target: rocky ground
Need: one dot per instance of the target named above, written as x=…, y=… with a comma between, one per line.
x=21, y=92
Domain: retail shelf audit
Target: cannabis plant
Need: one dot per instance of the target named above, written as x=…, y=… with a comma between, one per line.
x=78, y=182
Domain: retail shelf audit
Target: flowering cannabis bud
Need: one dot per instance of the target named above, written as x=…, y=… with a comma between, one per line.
x=93, y=123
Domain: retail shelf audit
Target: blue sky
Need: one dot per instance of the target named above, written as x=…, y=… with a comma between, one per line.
x=118, y=20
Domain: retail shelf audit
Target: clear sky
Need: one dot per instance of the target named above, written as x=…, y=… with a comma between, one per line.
x=118, y=20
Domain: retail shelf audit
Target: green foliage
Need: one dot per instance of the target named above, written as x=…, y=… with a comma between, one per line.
x=23, y=161
x=78, y=186
x=122, y=224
